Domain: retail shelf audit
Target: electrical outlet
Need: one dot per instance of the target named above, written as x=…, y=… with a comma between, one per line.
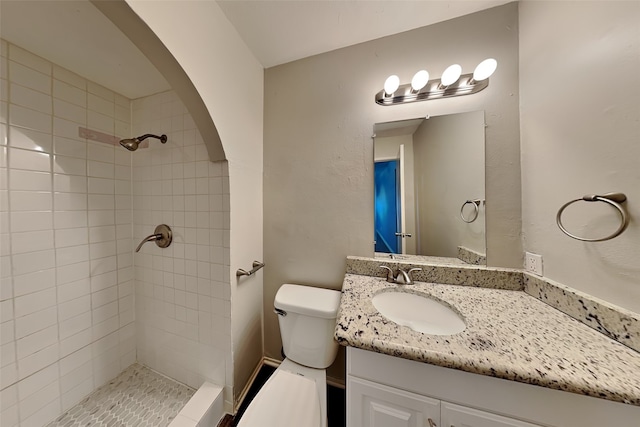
x=533, y=263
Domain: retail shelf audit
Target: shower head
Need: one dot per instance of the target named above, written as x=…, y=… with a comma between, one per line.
x=132, y=144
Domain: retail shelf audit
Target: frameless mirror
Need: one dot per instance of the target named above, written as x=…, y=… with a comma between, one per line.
x=429, y=188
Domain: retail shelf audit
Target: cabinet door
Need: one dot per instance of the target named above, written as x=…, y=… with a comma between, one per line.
x=460, y=416
x=376, y=405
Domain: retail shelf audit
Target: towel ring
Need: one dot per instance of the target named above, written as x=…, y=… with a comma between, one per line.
x=613, y=199
x=476, y=210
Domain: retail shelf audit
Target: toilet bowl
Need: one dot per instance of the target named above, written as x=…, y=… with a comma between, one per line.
x=295, y=395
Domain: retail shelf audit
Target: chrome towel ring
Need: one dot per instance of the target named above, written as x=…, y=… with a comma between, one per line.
x=476, y=210
x=613, y=199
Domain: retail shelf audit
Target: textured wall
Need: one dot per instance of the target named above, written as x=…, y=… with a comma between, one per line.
x=319, y=116
x=580, y=130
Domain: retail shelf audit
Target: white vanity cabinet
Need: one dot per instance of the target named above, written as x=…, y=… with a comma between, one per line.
x=386, y=391
x=376, y=405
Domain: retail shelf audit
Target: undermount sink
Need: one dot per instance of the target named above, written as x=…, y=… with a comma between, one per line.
x=419, y=313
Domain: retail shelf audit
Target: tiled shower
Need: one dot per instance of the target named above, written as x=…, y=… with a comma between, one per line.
x=77, y=306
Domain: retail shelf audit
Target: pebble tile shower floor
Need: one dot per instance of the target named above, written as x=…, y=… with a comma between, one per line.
x=138, y=397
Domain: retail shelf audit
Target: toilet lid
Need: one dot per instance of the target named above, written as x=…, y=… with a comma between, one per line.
x=286, y=400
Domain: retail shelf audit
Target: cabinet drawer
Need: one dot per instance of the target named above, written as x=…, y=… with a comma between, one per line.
x=376, y=405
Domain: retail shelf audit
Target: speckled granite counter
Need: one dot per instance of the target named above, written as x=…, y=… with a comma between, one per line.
x=509, y=335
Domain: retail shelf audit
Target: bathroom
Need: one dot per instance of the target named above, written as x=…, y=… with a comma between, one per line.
x=289, y=146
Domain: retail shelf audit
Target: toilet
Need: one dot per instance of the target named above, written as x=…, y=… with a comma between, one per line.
x=295, y=395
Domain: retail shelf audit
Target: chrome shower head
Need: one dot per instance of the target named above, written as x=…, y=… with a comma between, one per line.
x=132, y=143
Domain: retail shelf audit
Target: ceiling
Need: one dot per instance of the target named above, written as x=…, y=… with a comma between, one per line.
x=75, y=35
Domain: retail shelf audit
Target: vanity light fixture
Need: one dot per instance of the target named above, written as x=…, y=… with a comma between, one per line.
x=452, y=83
x=391, y=85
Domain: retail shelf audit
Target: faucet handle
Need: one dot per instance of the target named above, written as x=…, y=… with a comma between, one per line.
x=411, y=271
x=390, y=276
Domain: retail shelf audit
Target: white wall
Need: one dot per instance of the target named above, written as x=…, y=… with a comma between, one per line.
x=66, y=296
x=230, y=81
x=183, y=308
x=580, y=132
x=449, y=169
x=319, y=116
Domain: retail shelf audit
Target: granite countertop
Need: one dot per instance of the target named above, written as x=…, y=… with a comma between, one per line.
x=509, y=335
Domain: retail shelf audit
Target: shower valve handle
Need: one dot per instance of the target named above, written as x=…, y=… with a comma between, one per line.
x=162, y=235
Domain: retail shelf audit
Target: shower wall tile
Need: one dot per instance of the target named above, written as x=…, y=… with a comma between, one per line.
x=182, y=293
x=66, y=295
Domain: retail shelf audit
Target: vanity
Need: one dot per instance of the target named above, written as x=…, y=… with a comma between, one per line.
x=518, y=361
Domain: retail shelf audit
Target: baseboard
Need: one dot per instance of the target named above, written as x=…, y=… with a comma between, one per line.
x=244, y=392
x=333, y=382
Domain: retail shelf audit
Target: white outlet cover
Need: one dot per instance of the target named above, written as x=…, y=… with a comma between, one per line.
x=533, y=263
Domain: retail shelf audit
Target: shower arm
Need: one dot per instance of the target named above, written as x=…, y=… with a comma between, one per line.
x=150, y=238
x=162, y=138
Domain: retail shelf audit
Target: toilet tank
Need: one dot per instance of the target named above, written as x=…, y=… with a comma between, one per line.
x=307, y=318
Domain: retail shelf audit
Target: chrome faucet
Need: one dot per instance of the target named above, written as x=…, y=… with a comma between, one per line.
x=400, y=276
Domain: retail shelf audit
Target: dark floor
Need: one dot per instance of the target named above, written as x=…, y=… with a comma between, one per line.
x=335, y=401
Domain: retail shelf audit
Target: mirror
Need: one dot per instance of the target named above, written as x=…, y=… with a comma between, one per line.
x=429, y=196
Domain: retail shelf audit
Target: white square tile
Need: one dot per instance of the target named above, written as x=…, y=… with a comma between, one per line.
x=103, y=281
x=31, y=221
x=72, y=273
x=69, y=165
x=101, y=186
x=75, y=361
x=37, y=361
x=34, y=282
x=74, y=325
x=73, y=290
x=102, y=234
x=42, y=407
x=37, y=341
x=70, y=219
x=30, y=241
x=101, y=105
x=71, y=237
x=74, y=308
x=70, y=201
x=69, y=184
x=100, y=122
x=30, y=98
x=71, y=397
x=69, y=77
x=72, y=255
x=67, y=129
x=29, y=160
x=34, y=322
x=29, y=180
x=69, y=147
x=100, y=169
x=102, y=217
x=101, y=91
x=30, y=78
x=69, y=93
x=30, y=119
x=101, y=202
x=68, y=111
x=30, y=140
x=79, y=373
x=31, y=201
x=75, y=342
x=30, y=60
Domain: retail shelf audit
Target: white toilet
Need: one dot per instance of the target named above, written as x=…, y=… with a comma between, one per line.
x=295, y=395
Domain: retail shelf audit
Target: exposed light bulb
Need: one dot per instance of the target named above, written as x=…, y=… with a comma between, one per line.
x=391, y=84
x=451, y=75
x=420, y=80
x=485, y=69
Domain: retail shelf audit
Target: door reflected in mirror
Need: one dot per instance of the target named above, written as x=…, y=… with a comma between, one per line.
x=429, y=188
